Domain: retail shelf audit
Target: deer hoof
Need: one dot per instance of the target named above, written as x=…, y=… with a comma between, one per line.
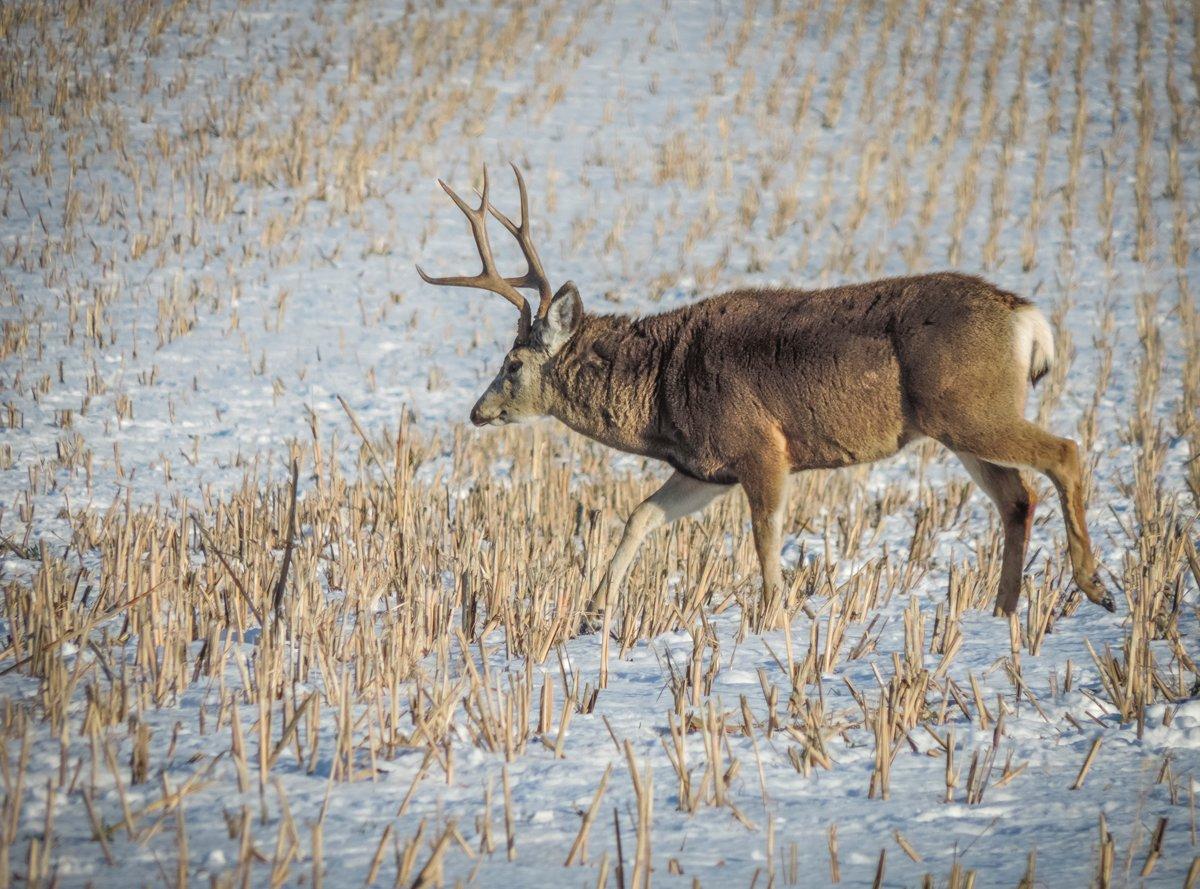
x=1097, y=593
x=590, y=622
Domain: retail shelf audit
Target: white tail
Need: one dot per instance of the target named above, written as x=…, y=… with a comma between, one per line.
x=1034, y=342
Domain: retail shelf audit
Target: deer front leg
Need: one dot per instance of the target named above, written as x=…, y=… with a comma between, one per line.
x=679, y=496
x=765, y=483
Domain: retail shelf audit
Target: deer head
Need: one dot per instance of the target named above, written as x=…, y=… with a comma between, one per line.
x=518, y=391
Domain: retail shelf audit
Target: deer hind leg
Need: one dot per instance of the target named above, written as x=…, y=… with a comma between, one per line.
x=1016, y=502
x=1024, y=444
x=679, y=496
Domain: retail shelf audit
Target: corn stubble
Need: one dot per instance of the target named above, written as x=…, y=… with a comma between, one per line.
x=367, y=625
x=373, y=608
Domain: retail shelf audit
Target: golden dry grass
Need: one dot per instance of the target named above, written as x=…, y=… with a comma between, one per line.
x=418, y=597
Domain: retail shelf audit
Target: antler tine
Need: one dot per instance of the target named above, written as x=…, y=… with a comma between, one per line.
x=489, y=279
x=535, y=275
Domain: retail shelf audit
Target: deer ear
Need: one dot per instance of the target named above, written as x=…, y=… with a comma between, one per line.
x=563, y=316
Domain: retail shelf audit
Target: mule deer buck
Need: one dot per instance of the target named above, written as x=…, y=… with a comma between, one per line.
x=752, y=385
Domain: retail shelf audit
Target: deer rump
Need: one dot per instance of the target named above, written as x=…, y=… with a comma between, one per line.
x=845, y=375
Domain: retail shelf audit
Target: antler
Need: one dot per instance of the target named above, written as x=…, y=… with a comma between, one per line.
x=490, y=279
x=534, y=275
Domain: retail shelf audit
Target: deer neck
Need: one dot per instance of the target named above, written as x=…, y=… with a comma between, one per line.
x=604, y=383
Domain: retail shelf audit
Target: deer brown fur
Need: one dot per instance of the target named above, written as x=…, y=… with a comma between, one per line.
x=753, y=385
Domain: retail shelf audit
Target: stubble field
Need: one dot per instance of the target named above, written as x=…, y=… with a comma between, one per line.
x=215, y=671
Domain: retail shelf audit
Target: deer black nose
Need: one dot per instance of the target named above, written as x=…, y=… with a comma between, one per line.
x=476, y=417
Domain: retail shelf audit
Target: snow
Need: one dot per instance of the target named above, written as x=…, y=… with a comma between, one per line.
x=223, y=398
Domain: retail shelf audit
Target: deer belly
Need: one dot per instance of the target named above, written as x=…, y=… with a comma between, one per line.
x=710, y=474
x=816, y=451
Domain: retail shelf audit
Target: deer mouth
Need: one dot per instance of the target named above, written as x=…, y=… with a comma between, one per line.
x=480, y=419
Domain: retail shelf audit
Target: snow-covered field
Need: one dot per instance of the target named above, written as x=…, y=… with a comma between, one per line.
x=209, y=217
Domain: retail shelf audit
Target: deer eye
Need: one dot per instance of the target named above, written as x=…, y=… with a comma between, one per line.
x=513, y=367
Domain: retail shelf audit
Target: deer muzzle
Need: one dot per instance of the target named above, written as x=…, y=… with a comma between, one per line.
x=480, y=417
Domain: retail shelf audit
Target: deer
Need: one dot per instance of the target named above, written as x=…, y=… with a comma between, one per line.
x=750, y=386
